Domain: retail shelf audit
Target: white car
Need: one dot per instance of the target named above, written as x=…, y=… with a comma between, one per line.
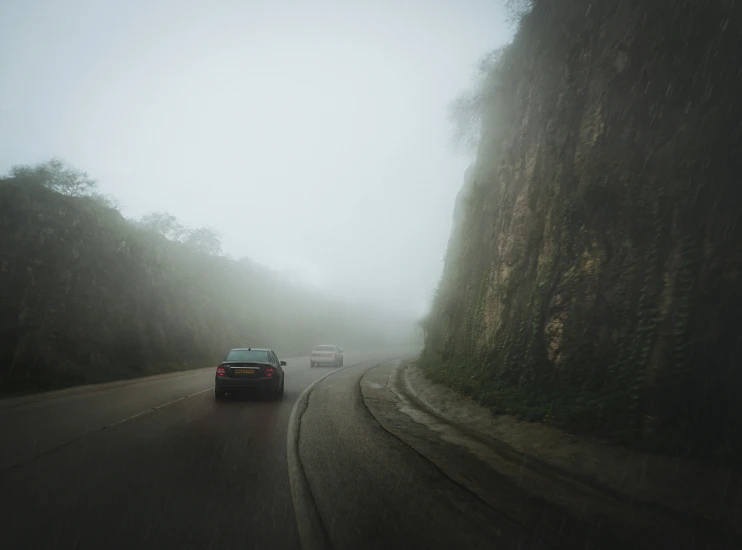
x=326, y=355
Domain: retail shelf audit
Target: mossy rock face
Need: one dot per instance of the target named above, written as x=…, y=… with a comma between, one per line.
x=596, y=273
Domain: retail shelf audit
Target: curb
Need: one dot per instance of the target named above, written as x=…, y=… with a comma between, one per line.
x=400, y=386
x=404, y=391
x=312, y=534
x=91, y=388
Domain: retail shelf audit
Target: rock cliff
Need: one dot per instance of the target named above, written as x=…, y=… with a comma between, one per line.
x=595, y=280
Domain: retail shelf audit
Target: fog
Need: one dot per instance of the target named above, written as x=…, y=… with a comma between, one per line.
x=313, y=136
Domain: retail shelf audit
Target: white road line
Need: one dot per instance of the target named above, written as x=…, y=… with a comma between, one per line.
x=133, y=416
x=106, y=427
x=202, y=391
x=68, y=393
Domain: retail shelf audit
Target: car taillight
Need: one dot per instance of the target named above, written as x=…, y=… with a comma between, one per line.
x=220, y=371
x=269, y=371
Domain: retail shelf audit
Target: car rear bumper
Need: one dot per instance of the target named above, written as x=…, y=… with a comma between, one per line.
x=324, y=360
x=227, y=384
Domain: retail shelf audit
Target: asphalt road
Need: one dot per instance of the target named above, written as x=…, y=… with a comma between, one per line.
x=160, y=464
x=154, y=464
x=372, y=491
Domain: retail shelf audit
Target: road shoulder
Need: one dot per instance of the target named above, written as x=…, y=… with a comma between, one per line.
x=539, y=494
x=373, y=491
x=31, y=398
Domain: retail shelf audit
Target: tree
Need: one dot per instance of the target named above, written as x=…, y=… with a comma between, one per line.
x=57, y=176
x=163, y=223
x=106, y=201
x=516, y=9
x=205, y=239
x=467, y=110
x=423, y=324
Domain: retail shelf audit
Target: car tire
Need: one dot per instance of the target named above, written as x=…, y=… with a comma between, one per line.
x=279, y=392
x=219, y=394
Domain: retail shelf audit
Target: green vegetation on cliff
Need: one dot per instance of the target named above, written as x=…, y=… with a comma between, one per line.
x=594, y=278
x=87, y=296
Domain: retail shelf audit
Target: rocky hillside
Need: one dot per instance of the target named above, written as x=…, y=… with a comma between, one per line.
x=594, y=281
x=87, y=296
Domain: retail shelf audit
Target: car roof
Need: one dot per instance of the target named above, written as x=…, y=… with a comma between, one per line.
x=251, y=349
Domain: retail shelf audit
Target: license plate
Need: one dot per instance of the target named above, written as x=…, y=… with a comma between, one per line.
x=244, y=371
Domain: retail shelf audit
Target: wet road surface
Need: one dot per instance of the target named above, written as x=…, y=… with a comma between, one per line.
x=194, y=473
x=158, y=463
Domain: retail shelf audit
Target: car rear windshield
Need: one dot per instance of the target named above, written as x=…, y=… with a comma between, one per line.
x=324, y=348
x=247, y=355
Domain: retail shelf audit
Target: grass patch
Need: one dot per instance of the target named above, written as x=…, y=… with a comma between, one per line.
x=593, y=413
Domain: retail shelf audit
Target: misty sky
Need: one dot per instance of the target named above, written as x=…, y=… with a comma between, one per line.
x=313, y=135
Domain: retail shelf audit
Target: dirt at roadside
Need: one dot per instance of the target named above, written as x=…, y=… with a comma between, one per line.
x=713, y=495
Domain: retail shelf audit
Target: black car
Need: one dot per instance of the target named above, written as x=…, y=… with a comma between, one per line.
x=250, y=368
